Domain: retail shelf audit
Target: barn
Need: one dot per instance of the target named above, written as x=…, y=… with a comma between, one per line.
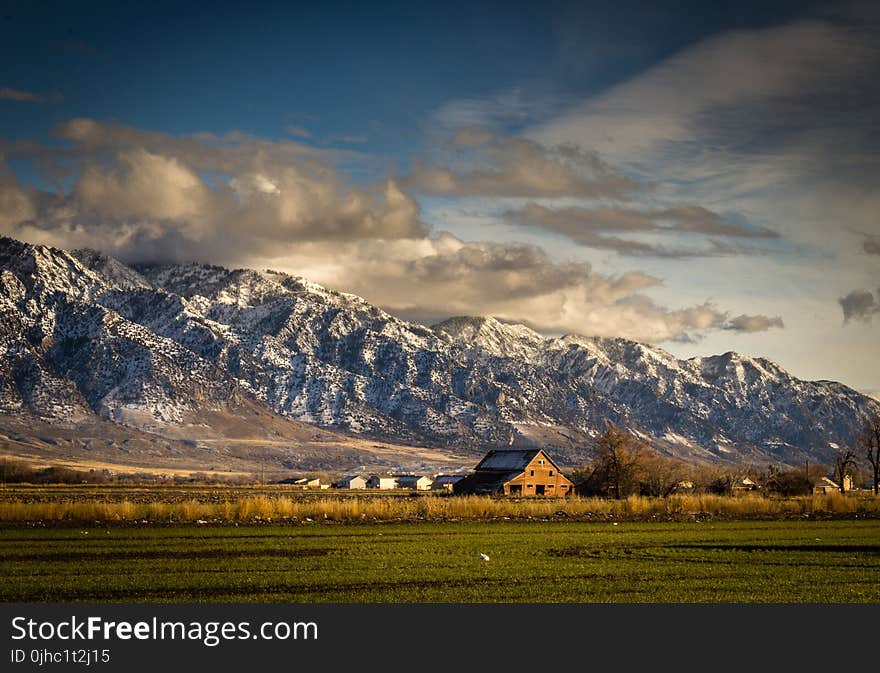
x=515, y=472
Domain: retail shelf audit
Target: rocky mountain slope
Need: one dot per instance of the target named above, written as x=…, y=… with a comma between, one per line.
x=152, y=347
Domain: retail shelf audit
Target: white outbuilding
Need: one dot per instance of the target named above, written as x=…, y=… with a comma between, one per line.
x=416, y=482
x=382, y=482
x=352, y=481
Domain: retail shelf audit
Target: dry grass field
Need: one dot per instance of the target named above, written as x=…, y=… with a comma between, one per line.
x=247, y=504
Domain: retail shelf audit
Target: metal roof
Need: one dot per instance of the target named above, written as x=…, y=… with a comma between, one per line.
x=507, y=459
x=484, y=483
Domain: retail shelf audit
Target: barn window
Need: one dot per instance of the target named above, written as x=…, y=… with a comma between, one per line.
x=530, y=485
x=531, y=473
x=563, y=486
x=551, y=473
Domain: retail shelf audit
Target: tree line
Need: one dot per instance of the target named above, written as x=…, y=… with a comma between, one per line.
x=625, y=464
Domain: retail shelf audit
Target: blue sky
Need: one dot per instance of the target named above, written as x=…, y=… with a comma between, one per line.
x=701, y=177
x=355, y=69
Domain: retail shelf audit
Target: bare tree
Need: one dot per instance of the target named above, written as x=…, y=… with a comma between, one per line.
x=619, y=455
x=661, y=475
x=794, y=481
x=869, y=444
x=844, y=462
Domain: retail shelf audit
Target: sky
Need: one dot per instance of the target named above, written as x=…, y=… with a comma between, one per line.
x=704, y=178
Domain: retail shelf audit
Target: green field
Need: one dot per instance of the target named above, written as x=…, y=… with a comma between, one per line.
x=757, y=561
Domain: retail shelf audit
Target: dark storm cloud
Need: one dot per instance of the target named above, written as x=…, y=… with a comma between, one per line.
x=859, y=305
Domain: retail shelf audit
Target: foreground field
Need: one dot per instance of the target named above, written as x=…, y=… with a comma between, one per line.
x=719, y=562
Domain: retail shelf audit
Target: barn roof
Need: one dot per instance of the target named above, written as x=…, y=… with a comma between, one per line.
x=483, y=483
x=508, y=460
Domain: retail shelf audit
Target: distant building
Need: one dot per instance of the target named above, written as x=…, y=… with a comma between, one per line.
x=826, y=485
x=445, y=482
x=354, y=481
x=743, y=485
x=515, y=472
x=415, y=482
x=303, y=482
x=382, y=482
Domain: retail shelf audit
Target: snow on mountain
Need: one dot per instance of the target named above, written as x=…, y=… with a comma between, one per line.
x=489, y=336
x=81, y=334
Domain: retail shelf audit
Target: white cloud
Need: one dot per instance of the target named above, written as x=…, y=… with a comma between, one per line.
x=432, y=278
x=237, y=200
x=673, y=100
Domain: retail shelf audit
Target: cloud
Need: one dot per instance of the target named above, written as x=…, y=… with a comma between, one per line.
x=700, y=85
x=26, y=96
x=472, y=136
x=351, y=140
x=299, y=132
x=139, y=195
x=524, y=168
x=15, y=204
x=871, y=245
x=503, y=110
x=753, y=323
x=430, y=279
x=244, y=201
x=859, y=305
x=593, y=227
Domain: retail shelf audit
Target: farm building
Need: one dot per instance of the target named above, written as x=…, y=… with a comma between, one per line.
x=743, y=485
x=826, y=485
x=303, y=482
x=382, y=482
x=445, y=482
x=354, y=481
x=416, y=482
x=515, y=472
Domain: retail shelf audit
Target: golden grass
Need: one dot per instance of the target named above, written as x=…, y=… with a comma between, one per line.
x=431, y=507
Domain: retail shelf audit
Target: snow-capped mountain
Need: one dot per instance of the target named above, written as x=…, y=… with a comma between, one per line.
x=82, y=334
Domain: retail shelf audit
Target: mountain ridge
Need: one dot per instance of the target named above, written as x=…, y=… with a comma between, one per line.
x=84, y=334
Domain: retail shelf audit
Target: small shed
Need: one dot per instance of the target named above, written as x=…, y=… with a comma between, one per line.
x=446, y=482
x=302, y=482
x=382, y=482
x=415, y=482
x=352, y=481
x=826, y=485
x=745, y=484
